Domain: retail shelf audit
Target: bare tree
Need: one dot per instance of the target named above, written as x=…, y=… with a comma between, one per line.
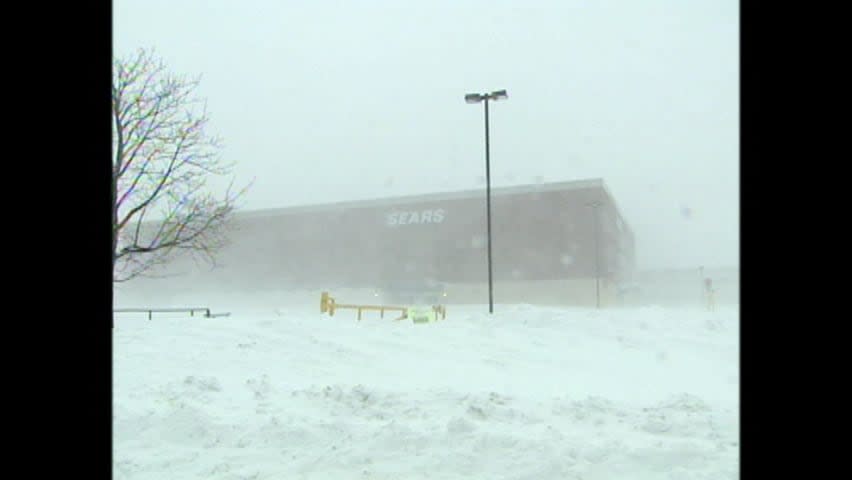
x=162, y=160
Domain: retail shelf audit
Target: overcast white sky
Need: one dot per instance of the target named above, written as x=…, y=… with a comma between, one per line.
x=322, y=101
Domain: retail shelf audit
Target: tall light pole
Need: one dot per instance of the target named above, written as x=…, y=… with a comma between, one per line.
x=476, y=98
x=595, y=205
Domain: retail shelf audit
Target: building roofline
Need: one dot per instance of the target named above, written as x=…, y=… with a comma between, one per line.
x=409, y=199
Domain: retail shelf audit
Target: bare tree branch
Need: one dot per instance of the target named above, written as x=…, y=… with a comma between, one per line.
x=162, y=159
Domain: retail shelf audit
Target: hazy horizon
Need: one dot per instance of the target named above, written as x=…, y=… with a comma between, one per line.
x=323, y=102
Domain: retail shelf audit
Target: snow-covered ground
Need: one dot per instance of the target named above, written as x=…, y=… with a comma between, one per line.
x=528, y=393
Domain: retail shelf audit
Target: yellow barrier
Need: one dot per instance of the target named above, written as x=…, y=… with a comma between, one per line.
x=329, y=305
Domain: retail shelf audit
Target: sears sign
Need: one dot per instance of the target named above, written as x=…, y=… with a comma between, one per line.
x=415, y=218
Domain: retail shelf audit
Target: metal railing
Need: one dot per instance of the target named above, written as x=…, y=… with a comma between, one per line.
x=329, y=305
x=150, y=311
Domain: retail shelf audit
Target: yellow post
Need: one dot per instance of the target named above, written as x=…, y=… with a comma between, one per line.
x=324, y=302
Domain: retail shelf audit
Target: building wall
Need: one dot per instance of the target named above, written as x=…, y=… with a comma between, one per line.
x=543, y=236
x=544, y=246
